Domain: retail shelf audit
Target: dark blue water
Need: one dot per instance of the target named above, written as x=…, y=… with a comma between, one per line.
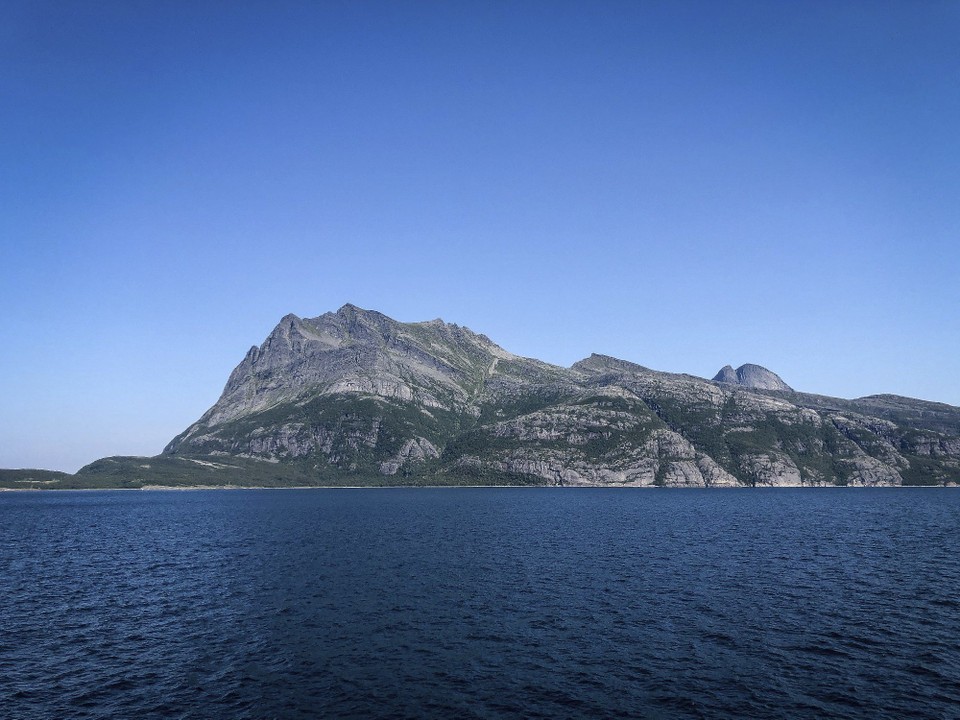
x=482, y=603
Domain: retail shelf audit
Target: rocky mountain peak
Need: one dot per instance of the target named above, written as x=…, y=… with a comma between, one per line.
x=726, y=375
x=751, y=376
x=361, y=352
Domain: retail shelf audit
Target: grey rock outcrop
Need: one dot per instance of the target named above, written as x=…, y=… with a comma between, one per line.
x=751, y=376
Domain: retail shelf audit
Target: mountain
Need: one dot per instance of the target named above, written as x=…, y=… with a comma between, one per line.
x=357, y=393
x=354, y=397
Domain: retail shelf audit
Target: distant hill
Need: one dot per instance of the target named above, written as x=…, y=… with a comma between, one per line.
x=354, y=397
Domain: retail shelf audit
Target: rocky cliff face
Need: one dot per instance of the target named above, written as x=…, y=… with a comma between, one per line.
x=355, y=394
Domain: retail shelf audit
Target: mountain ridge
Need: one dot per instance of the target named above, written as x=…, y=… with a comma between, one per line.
x=355, y=397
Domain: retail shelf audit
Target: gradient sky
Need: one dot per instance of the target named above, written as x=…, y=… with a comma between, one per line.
x=679, y=184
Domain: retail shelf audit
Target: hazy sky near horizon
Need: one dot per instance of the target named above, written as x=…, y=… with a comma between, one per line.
x=679, y=184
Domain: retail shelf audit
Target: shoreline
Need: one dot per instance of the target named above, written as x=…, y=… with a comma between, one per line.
x=189, y=488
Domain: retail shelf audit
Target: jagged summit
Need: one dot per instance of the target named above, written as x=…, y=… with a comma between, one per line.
x=751, y=376
x=352, y=350
x=432, y=365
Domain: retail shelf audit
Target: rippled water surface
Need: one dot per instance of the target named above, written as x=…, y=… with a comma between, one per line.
x=483, y=603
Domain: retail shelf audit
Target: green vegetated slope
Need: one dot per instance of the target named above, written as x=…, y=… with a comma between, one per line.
x=32, y=479
x=356, y=398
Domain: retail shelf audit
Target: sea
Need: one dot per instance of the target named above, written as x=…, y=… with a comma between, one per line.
x=480, y=603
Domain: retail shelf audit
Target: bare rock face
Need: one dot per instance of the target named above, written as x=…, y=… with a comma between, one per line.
x=413, y=450
x=355, y=395
x=751, y=376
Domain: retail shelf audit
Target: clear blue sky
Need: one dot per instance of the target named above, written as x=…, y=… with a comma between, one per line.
x=679, y=184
